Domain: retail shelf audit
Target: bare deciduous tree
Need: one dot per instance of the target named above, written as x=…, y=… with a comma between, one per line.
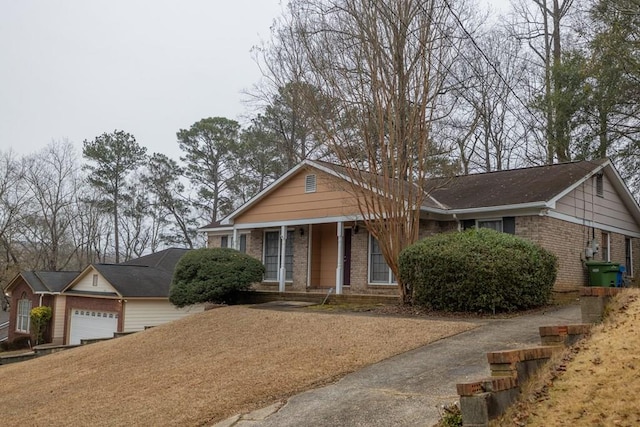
x=383, y=66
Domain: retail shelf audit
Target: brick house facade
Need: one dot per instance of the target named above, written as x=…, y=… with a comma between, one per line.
x=565, y=208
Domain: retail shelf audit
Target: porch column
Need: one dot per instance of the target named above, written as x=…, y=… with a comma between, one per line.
x=340, y=267
x=236, y=241
x=283, y=248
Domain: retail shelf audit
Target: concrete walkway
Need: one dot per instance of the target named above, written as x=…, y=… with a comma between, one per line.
x=408, y=389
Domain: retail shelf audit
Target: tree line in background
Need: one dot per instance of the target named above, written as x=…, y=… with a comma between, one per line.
x=400, y=90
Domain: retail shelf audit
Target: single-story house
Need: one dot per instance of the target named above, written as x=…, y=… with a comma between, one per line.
x=101, y=299
x=308, y=231
x=31, y=289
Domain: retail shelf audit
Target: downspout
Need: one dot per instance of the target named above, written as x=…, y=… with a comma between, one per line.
x=455, y=217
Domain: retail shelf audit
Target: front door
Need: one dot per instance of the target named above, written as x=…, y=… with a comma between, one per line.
x=346, y=273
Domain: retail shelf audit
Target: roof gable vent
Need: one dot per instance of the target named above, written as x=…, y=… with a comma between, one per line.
x=310, y=184
x=599, y=185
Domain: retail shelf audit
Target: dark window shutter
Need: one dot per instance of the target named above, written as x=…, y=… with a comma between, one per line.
x=468, y=223
x=509, y=224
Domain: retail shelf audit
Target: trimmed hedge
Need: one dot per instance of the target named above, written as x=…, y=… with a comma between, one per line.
x=213, y=275
x=479, y=270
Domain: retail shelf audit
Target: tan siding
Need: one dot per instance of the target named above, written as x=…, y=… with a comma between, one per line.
x=86, y=283
x=138, y=314
x=610, y=210
x=59, y=311
x=290, y=202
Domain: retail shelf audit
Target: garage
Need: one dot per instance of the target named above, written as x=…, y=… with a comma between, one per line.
x=92, y=324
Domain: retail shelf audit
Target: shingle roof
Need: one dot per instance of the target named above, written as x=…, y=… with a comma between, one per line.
x=48, y=281
x=148, y=276
x=510, y=187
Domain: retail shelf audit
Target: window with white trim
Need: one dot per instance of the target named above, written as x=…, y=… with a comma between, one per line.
x=23, y=317
x=628, y=256
x=227, y=242
x=379, y=271
x=494, y=224
x=604, y=246
x=272, y=254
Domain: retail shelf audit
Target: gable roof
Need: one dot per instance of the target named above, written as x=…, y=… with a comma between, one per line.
x=526, y=186
x=537, y=187
x=45, y=282
x=145, y=277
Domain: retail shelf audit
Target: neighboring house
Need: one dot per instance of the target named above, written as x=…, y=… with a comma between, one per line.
x=31, y=289
x=308, y=231
x=100, y=300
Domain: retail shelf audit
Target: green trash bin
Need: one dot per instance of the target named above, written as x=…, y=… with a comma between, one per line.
x=602, y=273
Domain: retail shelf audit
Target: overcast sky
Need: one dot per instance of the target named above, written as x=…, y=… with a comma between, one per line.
x=74, y=69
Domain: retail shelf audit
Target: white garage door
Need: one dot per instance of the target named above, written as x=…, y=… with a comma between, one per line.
x=92, y=324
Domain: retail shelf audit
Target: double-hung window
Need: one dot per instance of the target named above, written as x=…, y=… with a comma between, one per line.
x=273, y=255
x=227, y=242
x=628, y=256
x=604, y=247
x=379, y=271
x=494, y=224
x=23, y=314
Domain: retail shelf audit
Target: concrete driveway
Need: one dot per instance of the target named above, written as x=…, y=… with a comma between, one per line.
x=408, y=389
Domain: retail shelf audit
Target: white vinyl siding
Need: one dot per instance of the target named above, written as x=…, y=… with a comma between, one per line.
x=23, y=318
x=141, y=314
x=86, y=283
x=379, y=271
x=584, y=205
x=271, y=255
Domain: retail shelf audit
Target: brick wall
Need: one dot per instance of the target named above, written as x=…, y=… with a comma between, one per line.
x=568, y=241
x=16, y=294
x=359, y=261
x=87, y=303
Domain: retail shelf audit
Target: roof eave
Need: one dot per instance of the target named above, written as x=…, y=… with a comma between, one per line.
x=488, y=209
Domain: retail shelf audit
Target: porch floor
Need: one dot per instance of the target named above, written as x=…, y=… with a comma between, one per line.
x=259, y=297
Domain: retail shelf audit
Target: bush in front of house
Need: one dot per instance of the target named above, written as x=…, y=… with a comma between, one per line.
x=214, y=275
x=479, y=270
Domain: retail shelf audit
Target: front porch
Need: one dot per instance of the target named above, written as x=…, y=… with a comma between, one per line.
x=313, y=257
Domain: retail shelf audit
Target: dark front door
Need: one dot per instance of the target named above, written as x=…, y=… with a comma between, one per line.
x=346, y=273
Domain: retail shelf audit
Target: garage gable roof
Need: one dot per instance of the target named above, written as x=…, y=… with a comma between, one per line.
x=145, y=277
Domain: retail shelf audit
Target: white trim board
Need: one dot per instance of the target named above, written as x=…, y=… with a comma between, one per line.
x=590, y=223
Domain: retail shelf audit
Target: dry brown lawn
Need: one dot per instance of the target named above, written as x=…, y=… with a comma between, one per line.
x=597, y=383
x=203, y=368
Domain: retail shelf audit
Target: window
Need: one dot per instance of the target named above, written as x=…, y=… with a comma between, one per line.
x=95, y=280
x=494, y=224
x=272, y=255
x=310, y=184
x=379, y=271
x=227, y=242
x=23, y=317
x=604, y=246
x=599, y=185
x=628, y=256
